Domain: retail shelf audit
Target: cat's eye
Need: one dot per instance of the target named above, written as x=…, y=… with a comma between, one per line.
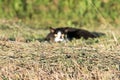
x=55, y=35
x=63, y=35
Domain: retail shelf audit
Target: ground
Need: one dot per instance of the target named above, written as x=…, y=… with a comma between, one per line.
x=25, y=56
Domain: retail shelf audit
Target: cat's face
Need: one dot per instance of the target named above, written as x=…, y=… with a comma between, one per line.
x=58, y=34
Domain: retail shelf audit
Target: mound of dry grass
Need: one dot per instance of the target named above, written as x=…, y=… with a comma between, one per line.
x=59, y=61
x=97, y=59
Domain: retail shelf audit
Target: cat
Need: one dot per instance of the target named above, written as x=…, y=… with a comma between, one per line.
x=67, y=33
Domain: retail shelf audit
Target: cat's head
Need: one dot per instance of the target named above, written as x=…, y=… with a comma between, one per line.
x=59, y=34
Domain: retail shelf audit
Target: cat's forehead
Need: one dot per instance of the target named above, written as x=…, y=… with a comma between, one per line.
x=59, y=30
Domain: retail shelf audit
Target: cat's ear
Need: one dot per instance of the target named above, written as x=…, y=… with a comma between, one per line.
x=52, y=29
x=66, y=29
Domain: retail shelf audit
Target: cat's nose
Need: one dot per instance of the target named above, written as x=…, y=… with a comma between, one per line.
x=61, y=37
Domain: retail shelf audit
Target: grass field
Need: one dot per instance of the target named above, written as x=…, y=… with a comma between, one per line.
x=25, y=56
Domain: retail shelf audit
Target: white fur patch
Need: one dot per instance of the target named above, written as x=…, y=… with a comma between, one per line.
x=59, y=37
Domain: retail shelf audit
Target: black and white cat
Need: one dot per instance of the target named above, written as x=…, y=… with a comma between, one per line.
x=68, y=33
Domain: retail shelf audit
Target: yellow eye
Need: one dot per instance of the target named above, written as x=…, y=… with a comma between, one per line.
x=62, y=35
x=55, y=35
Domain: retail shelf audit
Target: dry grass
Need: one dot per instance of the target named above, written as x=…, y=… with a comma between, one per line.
x=97, y=59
